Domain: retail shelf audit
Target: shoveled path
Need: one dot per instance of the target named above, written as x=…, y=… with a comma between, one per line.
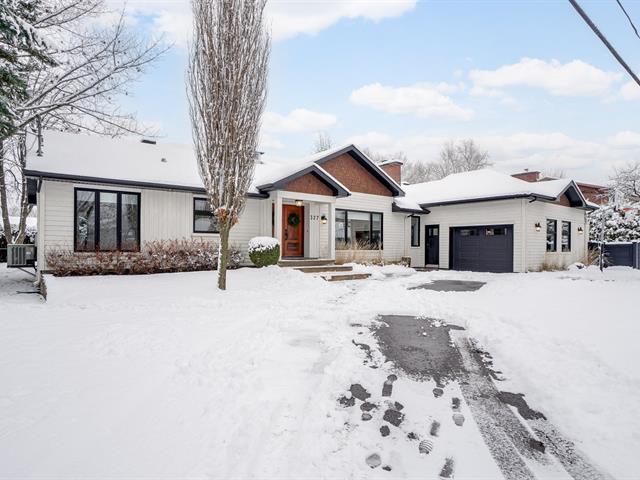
x=524, y=445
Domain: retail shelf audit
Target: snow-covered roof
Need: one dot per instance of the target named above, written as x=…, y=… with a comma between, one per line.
x=129, y=159
x=478, y=185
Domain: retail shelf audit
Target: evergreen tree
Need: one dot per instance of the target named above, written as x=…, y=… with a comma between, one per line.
x=21, y=50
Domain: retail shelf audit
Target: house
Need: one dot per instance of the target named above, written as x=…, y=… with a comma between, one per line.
x=596, y=194
x=96, y=193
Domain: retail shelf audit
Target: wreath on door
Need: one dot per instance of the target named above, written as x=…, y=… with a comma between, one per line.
x=293, y=219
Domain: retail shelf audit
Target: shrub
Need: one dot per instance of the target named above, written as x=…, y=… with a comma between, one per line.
x=159, y=256
x=264, y=251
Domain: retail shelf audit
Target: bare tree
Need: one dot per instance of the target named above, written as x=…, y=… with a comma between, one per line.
x=227, y=84
x=625, y=181
x=322, y=142
x=78, y=89
x=463, y=156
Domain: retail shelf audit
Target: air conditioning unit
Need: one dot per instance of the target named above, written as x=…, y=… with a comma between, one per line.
x=19, y=256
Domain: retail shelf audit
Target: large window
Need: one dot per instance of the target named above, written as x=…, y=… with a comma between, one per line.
x=203, y=219
x=552, y=237
x=415, y=231
x=566, y=236
x=363, y=229
x=106, y=221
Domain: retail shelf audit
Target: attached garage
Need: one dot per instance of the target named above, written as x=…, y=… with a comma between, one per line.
x=487, y=248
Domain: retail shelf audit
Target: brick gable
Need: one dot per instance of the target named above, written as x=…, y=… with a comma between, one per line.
x=308, y=183
x=348, y=171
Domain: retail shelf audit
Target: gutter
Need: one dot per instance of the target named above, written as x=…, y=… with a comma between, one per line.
x=126, y=183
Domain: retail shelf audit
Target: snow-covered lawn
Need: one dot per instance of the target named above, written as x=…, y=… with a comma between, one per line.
x=163, y=376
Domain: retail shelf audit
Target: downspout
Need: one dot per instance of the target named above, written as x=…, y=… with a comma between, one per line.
x=525, y=232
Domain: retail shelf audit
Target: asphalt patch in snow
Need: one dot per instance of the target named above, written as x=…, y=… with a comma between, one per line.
x=426, y=349
x=450, y=286
x=420, y=347
x=517, y=400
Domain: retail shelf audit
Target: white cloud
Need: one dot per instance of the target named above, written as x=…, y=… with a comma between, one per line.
x=625, y=139
x=421, y=100
x=586, y=160
x=298, y=120
x=575, y=78
x=630, y=91
x=286, y=18
x=267, y=142
x=293, y=17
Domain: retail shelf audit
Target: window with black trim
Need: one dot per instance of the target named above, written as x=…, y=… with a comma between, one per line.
x=566, y=236
x=415, y=231
x=552, y=235
x=106, y=221
x=204, y=221
x=354, y=227
x=495, y=231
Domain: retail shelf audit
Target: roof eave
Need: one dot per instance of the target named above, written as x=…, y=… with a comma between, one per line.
x=125, y=183
x=396, y=208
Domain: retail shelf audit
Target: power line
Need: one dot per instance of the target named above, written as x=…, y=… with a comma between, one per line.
x=604, y=40
x=628, y=18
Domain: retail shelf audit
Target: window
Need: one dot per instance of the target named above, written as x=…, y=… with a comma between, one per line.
x=566, y=236
x=203, y=219
x=415, y=231
x=468, y=232
x=362, y=228
x=495, y=231
x=106, y=221
x=552, y=228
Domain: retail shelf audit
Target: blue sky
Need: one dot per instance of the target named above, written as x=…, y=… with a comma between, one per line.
x=527, y=80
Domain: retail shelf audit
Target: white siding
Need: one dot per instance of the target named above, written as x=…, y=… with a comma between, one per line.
x=471, y=214
x=537, y=241
x=394, y=236
x=164, y=215
x=529, y=246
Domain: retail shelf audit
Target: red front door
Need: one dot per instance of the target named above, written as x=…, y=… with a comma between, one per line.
x=292, y=231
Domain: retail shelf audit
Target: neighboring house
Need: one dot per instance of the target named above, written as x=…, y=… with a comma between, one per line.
x=597, y=194
x=95, y=193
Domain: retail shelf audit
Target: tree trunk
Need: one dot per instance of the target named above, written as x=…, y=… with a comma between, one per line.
x=223, y=255
x=25, y=208
x=4, y=203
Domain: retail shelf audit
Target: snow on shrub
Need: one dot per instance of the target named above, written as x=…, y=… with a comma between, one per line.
x=264, y=251
x=620, y=225
x=160, y=256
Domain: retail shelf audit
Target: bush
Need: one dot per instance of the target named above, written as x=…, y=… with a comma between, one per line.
x=264, y=251
x=160, y=256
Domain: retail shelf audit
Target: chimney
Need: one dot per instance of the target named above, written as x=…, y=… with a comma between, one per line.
x=528, y=176
x=393, y=168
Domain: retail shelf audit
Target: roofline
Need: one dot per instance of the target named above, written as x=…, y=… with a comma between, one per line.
x=126, y=183
x=396, y=208
x=534, y=196
x=339, y=189
x=389, y=182
x=593, y=185
x=485, y=199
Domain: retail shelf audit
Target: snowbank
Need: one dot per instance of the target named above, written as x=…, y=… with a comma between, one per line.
x=165, y=376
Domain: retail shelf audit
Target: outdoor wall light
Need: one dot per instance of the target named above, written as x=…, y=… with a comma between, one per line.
x=580, y=230
x=299, y=203
x=323, y=219
x=538, y=226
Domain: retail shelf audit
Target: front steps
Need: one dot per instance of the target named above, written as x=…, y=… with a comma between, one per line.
x=324, y=268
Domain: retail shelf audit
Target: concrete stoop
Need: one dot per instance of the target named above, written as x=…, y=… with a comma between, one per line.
x=326, y=269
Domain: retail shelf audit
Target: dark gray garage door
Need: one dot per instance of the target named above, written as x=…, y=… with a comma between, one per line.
x=488, y=248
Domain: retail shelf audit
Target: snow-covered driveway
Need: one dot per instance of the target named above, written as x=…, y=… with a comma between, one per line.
x=164, y=377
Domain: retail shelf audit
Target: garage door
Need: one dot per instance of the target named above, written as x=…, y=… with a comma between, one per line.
x=488, y=248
